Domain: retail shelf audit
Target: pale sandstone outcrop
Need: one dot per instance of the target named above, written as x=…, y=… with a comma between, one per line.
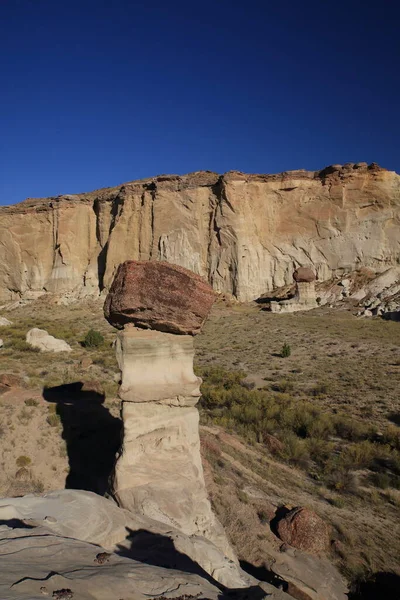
x=245, y=233
x=39, y=338
x=156, y=367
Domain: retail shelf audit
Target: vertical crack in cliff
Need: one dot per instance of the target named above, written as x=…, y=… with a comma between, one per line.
x=116, y=203
x=213, y=229
x=152, y=187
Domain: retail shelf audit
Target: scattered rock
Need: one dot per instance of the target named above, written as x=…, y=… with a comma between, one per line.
x=1, y=343
x=94, y=387
x=274, y=445
x=63, y=594
x=10, y=380
x=304, y=529
x=102, y=557
x=23, y=474
x=158, y=295
x=39, y=338
x=5, y=322
x=86, y=362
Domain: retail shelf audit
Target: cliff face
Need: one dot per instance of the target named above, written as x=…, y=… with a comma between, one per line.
x=245, y=233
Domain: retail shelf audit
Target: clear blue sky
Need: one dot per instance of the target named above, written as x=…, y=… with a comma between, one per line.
x=94, y=92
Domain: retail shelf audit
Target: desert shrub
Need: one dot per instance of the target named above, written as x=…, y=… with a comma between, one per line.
x=350, y=429
x=343, y=480
x=25, y=416
x=320, y=389
x=304, y=429
x=243, y=497
x=23, y=346
x=53, y=420
x=381, y=480
x=283, y=386
x=31, y=402
x=93, y=339
x=295, y=450
x=286, y=351
x=23, y=461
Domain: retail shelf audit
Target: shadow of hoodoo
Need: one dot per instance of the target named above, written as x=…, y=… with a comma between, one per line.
x=91, y=433
x=381, y=586
x=159, y=550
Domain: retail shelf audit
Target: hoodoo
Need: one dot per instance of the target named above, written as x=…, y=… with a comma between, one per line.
x=159, y=472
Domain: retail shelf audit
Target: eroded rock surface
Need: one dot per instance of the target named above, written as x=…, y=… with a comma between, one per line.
x=245, y=234
x=156, y=367
x=135, y=297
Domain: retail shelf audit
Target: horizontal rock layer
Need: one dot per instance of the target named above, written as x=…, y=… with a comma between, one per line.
x=245, y=233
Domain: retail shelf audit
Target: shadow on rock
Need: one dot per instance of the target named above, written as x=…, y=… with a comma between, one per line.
x=280, y=513
x=91, y=433
x=263, y=574
x=159, y=550
x=380, y=586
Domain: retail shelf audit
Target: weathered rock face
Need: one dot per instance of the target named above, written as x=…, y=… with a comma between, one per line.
x=244, y=233
x=157, y=367
x=134, y=297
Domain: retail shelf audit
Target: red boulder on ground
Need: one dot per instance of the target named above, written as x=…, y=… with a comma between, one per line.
x=304, y=529
x=304, y=274
x=158, y=295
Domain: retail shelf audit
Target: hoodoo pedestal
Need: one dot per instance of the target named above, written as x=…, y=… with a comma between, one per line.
x=304, y=298
x=159, y=471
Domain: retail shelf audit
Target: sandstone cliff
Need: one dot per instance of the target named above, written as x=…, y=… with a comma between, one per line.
x=245, y=233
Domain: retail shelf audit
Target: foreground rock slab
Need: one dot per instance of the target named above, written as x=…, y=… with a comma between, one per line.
x=39, y=338
x=181, y=307
x=77, y=540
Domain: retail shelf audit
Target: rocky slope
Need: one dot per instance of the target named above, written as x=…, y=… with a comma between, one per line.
x=245, y=233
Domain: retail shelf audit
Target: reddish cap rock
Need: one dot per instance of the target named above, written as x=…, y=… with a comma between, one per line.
x=304, y=529
x=158, y=295
x=304, y=274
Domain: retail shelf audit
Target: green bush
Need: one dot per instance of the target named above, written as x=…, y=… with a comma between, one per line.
x=31, y=402
x=286, y=351
x=23, y=461
x=93, y=339
x=53, y=420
